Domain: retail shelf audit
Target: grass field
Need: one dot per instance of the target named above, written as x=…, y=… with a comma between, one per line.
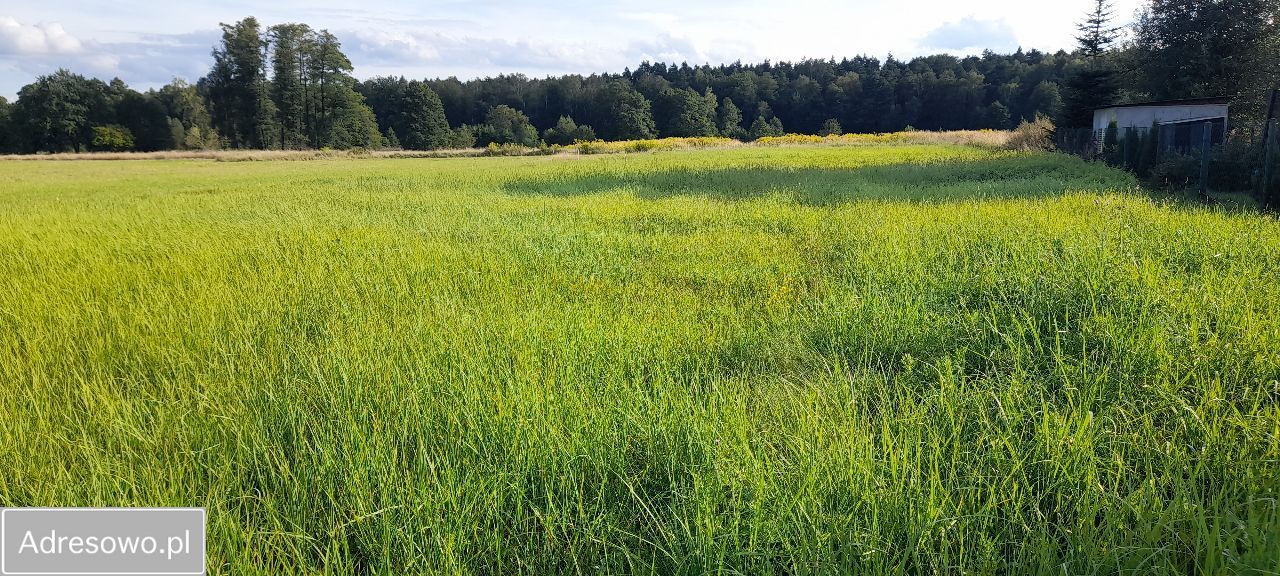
x=871, y=359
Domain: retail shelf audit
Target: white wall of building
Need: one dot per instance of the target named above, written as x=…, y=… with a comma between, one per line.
x=1143, y=116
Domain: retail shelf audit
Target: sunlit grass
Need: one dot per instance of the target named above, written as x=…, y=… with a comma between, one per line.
x=911, y=358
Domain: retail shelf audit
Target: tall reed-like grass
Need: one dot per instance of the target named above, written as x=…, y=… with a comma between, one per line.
x=981, y=138
x=762, y=360
x=984, y=138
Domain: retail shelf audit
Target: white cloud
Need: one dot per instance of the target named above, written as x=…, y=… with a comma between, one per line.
x=20, y=39
x=970, y=33
x=452, y=52
x=143, y=60
x=390, y=45
x=470, y=38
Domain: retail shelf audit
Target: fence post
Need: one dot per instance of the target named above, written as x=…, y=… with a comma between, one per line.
x=1268, y=153
x=1128, y=133
x=1266, y=144
x=1271, y=113
x=1206, y=143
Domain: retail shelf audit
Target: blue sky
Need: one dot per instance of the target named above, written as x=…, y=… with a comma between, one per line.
x=147, y=43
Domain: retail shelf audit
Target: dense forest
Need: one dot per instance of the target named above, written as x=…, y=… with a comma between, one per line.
x=289, y=87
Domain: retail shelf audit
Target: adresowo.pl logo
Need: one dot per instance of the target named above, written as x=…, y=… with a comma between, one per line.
x=102, y=541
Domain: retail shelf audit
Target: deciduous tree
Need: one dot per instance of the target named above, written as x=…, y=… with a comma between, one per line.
x=619, y=112
x=53, y=114
x=566, y=132
x=686, y=113
x=506, y=125
x=1199, y=48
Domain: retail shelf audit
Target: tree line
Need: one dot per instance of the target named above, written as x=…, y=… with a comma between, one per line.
x=290, y=87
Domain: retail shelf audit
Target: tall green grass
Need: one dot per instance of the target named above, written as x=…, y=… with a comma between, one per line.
x=923, y=359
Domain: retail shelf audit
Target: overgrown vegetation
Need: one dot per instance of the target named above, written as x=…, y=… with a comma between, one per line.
x=983, y=138
x=1034, y=135
x=909, y=358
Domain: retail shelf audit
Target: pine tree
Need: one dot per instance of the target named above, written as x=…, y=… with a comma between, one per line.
x=7, y=145
x=422, y=118
x=761, y=128
x=729, y=120
x=351, y=123
x=238, y=90
x=290, y=54
x=1088, y=89
x=1096, y=32
x=329, y=70
x=997, y=116
x=1096, y=84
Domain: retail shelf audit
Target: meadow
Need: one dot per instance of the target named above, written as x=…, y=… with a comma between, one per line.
x=875, y=359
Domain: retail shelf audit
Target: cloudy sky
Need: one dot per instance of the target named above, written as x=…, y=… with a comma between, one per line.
x=146, y=43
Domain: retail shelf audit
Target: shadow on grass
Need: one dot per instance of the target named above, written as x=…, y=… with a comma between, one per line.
x=1023, y=176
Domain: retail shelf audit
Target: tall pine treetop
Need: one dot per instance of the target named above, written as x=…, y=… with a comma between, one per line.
x=1096, y=32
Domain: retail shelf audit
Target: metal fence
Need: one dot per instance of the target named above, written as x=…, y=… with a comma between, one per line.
x=1081, y=142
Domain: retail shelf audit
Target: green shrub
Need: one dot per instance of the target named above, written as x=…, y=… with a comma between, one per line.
x=463, y=136
x=1149, y=152
x=1132, y=149
x=506, y=125
x=1232, y=163
x=567, y=132
x=642, y=145
x=1231, y=168
x=112, y=138
x=1110, y=144
x=389, y=139
x=831, y=128
x=1173, y=171
x=1034, y=135
x=495, y=149
x=592, y=147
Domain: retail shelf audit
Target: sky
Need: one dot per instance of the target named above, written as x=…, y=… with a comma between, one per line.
x=147, y=43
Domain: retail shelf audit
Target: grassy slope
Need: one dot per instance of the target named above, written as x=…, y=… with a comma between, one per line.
x=790, y=360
